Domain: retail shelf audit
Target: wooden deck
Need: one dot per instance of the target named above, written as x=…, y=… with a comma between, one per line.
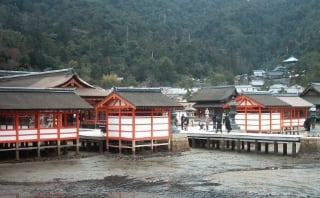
x=240, y=141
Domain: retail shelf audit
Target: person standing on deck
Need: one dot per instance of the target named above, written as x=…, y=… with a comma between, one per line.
x=214, y=121
x=207, y=122
x=182, y=121
x=227, y=123
x=219, y=124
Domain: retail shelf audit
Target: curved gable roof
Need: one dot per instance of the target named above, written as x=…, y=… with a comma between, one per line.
x=141, y=98
x=267, y=100
x=41, y=99
x=221, y=93
x=48, y=79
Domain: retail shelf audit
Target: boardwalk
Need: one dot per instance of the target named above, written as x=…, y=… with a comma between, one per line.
x=240, y=141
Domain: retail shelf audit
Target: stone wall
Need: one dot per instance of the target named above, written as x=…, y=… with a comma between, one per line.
x=179, y=143
x=310, y=145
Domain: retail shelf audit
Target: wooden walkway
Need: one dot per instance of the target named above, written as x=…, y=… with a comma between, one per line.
x=239, y=141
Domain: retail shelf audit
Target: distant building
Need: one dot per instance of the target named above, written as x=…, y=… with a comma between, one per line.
x=292, y=59
x=212, y=98
x=259, y=73
x=246, y=88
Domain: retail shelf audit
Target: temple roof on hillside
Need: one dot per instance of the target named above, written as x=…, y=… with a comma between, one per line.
x=47, y=79
x=219, y=93
x=291, y=59
x=41, y=99
x=12, y=73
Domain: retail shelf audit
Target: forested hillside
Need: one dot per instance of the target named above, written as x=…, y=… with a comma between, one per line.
x=160, y=42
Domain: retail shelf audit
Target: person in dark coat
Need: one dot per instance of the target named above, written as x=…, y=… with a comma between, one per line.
x=227, y=123
x=307, y=124
x=182, y=121
x=186, y=123
x=219, y=124
x=214, y=121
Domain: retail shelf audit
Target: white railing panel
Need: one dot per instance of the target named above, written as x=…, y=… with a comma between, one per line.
x=127, y=135
x=28, y=132
x=68, y=135
x=126, y=127
x=143, y=120
x=161, y=134
x=48, y=136
x=48, y=131
x=143, y=134
x=112, y=127
x=8, y=132
x=126, y=120
x=28, y=137
x=143, y=127
x=161, y=127
x=68, y=130
x=7, y=138
x=160, y=120
x=113, y=133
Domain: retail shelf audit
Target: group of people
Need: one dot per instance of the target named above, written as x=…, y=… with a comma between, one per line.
x=219, y=120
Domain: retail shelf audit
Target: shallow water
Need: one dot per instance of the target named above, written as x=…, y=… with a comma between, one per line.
x=196, y=173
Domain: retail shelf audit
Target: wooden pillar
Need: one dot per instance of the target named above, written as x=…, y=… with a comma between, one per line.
x=107, y=144
x=134, y=147
x=100, y=146
x=266, y=147
x=208, y=143
x=238, y=145
x=276, y=147
x=17, y=151
x=152, y=144
x=38, y=149
x=120, y=147
x=193, y=142
x=294, y=148
x=222, y=144
x=284, y=148
x=217, y=144
x=233, y=144
x=256, y=146
x=248, y=146
x=59, y=148
x=77, y=146
x=259, y=146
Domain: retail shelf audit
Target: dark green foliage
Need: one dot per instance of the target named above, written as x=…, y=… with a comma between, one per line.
x=160, y=43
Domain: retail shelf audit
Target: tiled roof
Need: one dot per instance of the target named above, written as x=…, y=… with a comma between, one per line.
x=295, y=101
x=312, y=99
x=268, y=100
x=147, y=98
x=92, y=92
x=40, y=99
x=312, y=87
x=48, y=79
x=222, y=93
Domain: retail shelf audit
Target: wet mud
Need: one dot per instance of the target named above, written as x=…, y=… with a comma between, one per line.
x=196, y=173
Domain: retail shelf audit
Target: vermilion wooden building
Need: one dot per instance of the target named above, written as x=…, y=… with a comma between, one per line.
x=36, y=119
x=137, y=118
x=64, y=78
x=266, y=113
